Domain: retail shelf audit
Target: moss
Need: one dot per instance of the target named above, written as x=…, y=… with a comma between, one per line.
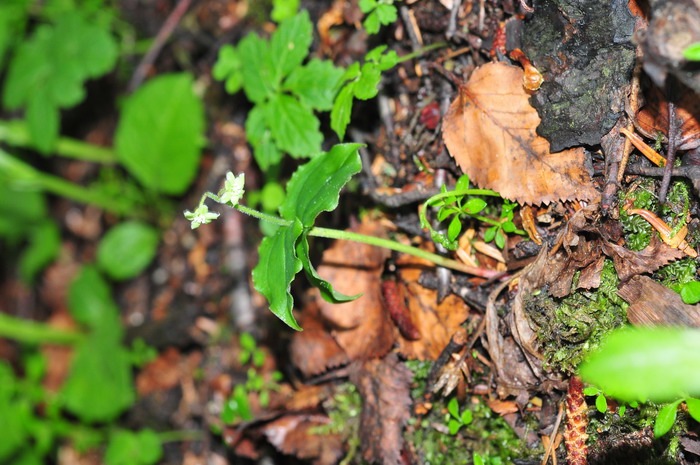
x=569, y=328
x=488, y=434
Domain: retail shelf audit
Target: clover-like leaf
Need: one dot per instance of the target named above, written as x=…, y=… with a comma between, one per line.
x=315, y=186
x=275, y=271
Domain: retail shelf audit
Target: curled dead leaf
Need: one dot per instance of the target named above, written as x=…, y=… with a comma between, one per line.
x=490, y=130
x=653, y=118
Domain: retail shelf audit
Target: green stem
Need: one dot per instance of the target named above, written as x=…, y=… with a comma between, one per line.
x=21, y=172
x=420, y=52
x=31, y=332
x=407, y=249
x=16, y=133
x=376, y=241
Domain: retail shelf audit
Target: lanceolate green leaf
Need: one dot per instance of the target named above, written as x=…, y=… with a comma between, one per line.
x=294, y=126
x=656, y=364
x=342, y=110
x=327, y=292
x=161, y=133
x=289, y=45
x=276, y=269
x=666, y=418
x=315, y=186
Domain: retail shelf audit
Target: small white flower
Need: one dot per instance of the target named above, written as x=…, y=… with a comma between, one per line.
x=201, y=215
x=233, y=188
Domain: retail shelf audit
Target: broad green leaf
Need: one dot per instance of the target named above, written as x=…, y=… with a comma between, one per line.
x=315, y=83
x=47, y=71
x=283, y=9
x=13, y=19
x=44, y=245
x=690, y=292
x=367, y=85
x=315, y=187
x=90, y=302
x=591, y=391
x=259, y=134
x=342, y=110
x=372, y=24
x=462, y=183
x=289, y=45
x=386, y=13
x=656, y=364
x=295, y=128
x=133, y=448
x=454, y=228
x=99, y=386
x=490, y=233
x=477, y=459
x=229, y=68
x=272, y=196
x=127, y=249
x=508, y=226
x=276, y=269
x=161, y=133
x=453, y=407
x=367, y=5
x=601, y=404
x=475, y=205
x=20, y=210
x=692, y=52
x=666, y=418
x=257, y=74
x=325, y=288
x=466, y=417
x=693, y=408
x=453, y=425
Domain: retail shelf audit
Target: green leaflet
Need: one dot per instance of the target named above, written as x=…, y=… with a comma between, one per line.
x=275, y=271
x=289, y=45
x=655, y=364
x=127, y=249
x=315, y=186
x=294, y=127
x=315, y=84
x=133, y=447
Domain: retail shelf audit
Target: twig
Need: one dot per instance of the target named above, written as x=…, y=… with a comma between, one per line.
x=671, y=153
x=452, y=27
x=161, y=38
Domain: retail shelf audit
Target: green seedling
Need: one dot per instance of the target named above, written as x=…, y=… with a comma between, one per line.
x=457, y=419
x=314, y=188
x=463, y=202
x=601, y=402
x=379, y=13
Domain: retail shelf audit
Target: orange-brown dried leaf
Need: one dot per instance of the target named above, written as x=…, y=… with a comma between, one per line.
x=629, y=263
x=436, y=322
x=161, y=374
x=362, y=328
x=293, y=435
x=384, y=385
x=490, y=130
x=502, y=407
x=653, y=117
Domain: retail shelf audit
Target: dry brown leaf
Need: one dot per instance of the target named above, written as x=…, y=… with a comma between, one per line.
x=502, y=407
x=362, y=328
x=490, y=130
x=436, y=322
x=161, y=374
x=384, y=385
x=653, y=118
x=629, y=263
x=291, y=434
x=652, y=303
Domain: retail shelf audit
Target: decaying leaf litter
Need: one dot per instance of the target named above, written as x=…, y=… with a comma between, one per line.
x=370, y=379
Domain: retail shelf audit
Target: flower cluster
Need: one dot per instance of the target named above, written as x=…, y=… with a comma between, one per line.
x=231, y=194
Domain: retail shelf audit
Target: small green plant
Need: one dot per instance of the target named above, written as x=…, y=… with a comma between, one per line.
x=462, y=202
x=601, y=402
x=284, y=91
x=690, y=292
x=238, y=405
x=457, y=419
x=314, y=188
x=379, y=13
